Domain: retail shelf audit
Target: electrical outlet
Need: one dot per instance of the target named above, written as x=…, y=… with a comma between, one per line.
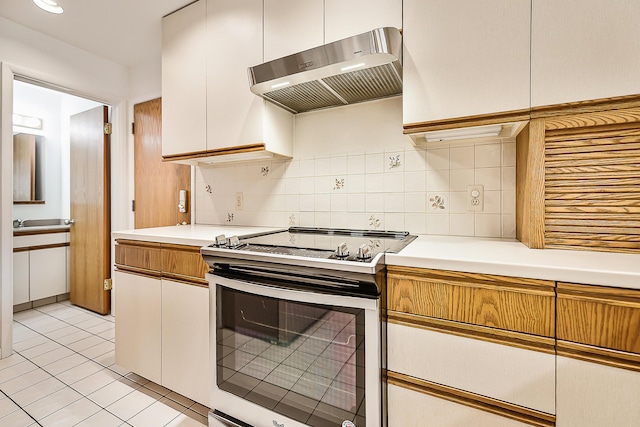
x=475, y=198
x=239, y=202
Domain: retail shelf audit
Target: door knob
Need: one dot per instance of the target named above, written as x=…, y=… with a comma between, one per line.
x=69, y=222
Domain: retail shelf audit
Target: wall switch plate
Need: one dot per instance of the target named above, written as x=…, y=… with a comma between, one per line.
x=475, y=198
x=239, y=202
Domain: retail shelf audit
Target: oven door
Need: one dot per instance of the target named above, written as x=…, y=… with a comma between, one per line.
x=291, y=358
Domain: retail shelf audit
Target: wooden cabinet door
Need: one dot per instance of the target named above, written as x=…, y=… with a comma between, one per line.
x=20, y=277
x=234, y=113
x=583, y=50
x=184, y=85
x=465, y=58
x=138, y=329
x=291, y=26
x=590, y=394
x=346, y=18
x=185, y=340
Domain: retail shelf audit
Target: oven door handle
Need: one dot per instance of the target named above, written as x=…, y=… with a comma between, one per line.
x=295, y=280
x=227, y=420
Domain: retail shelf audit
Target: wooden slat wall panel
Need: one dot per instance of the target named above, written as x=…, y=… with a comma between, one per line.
x=599, y=316
x=514, y=304
x=592, y=181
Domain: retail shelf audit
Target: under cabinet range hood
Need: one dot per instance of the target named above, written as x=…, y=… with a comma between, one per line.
x=355, y=69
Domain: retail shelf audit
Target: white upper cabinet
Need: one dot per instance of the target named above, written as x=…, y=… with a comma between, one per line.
x=465, y=58
x=345, y=18
x=291, y=26
x=184, y=95
x=583, y=50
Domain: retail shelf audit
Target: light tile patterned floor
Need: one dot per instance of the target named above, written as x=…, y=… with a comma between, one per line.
x=62, y=373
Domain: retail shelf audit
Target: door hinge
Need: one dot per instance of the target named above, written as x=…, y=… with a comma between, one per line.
x=108, y=284
x=108, y=128
x=133, y=128
x=133, y=206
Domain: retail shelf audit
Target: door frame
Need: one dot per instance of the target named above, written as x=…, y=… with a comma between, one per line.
x=119, y=169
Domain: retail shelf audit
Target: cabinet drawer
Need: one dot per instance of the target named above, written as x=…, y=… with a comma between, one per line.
x=599, y=316
x=412, y=408
x=183, y=260
x=519, y=376
x=138, y=254
x=507, y=303
x=35, y=240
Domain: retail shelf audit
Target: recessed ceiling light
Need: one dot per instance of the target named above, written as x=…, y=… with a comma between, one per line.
x=49, y=6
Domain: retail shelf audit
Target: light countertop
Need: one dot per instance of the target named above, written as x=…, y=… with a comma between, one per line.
x=192, y=234
x=512, y=258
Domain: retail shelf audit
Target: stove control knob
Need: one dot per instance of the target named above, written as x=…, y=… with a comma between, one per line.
x=342, y=251
x=234, y=242
x=364, y=252
x=221, y=241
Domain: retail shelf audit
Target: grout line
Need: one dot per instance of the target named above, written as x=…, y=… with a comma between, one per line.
x=21, y=408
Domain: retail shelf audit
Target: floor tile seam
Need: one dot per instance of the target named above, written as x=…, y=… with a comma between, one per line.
x=67, y=345
x=26, y=373
x=21, y=408
x=49, y=395
x=101, y=409
x=84, y=419
x=83, y=311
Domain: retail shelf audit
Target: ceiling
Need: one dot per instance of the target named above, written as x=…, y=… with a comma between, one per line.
x=124, y=31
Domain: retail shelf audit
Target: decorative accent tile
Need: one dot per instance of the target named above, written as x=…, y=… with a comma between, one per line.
x=394, y=161
x=207, y=188
x=229, y=217
x=437, y=202
x=264, y=170
x=292, y=220
x=374, y=222
x=339, y=184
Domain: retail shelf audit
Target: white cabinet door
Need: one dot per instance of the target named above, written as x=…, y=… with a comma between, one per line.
x=464, y=58
x=410, y=408
x=47, y=272
x=584, y=49
x=346, y=18
x=291, y=26
x=20, y=277
x=515, y=375
x=138, y=326
x=184, y=85
x=185, y=340
x=595, y=395
x=234, y=37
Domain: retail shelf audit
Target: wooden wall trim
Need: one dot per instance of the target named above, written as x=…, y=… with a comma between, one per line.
x=600, y=118
x=138, y=243
x=203, y=283
x=28, y=232
x=38, y=247
x=467, y=121
x=483, y=403
x=483, y=333
x=508, y=303
x=599, y=316
x=217, y=152
x=599, y=355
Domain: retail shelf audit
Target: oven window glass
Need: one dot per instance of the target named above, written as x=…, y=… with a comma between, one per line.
x=304, y=361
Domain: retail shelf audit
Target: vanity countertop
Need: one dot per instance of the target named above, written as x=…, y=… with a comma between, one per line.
x=512, y=258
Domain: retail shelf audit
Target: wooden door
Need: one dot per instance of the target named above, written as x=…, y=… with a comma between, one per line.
x=89, y=263
x=156, y=183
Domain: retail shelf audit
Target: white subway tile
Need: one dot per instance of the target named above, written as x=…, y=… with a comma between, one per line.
x=394, y=183
x=415, y=202
x=307, y=219
x=323, y=166
x=307, y=168
x=488, y=155
x=415, y=159
x=323, y=202
x=292, y=203
x=323, y=184
x=438, y=159
x=509, y=226
x=462, y=157
x=458, y=202
x=490, y=178
x=292, y=169
x=323, y=219
x=462, y=224
x=488, y=225
x=394, y=221
x=339, y=220
x=339, y=165
x=374, y=202
x=307, y=203
x=339, y=202
x=492, y=202
x=461, y=178
x=438, y=180
x=355, y=165
x=393, y=202
x=374, y=163
x=438, y=224
x=357, y=221
x=415, y=181
x=508, y=154
x=356, y=203
x=307, y=185
x=292, y=185
x=509, y=202
x=356, y=183
x=509, y=178
x=374, y=183
x=415, y=223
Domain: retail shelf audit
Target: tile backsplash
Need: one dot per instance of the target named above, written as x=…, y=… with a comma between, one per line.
x=394, y=186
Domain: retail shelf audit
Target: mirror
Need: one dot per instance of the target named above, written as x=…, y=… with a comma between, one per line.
x=28, y=167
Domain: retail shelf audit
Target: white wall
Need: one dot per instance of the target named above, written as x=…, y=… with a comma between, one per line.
x=342, y=175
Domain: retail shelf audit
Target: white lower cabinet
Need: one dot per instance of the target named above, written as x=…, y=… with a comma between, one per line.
x=47, y=272
x=595, y=395
x=185, y=340
x=515, y=375
x=20, y=277
x=138, y=324
x=162, y=332
x=409, y=408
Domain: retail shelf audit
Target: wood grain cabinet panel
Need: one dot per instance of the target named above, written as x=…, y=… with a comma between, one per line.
x=513, y=304
x=183, y=260
x=138, y=254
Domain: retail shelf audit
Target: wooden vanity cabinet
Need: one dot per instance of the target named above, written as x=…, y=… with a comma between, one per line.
x=162, y=307
x=470, y=347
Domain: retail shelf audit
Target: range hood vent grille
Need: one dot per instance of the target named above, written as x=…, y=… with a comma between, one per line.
x=356, y=69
